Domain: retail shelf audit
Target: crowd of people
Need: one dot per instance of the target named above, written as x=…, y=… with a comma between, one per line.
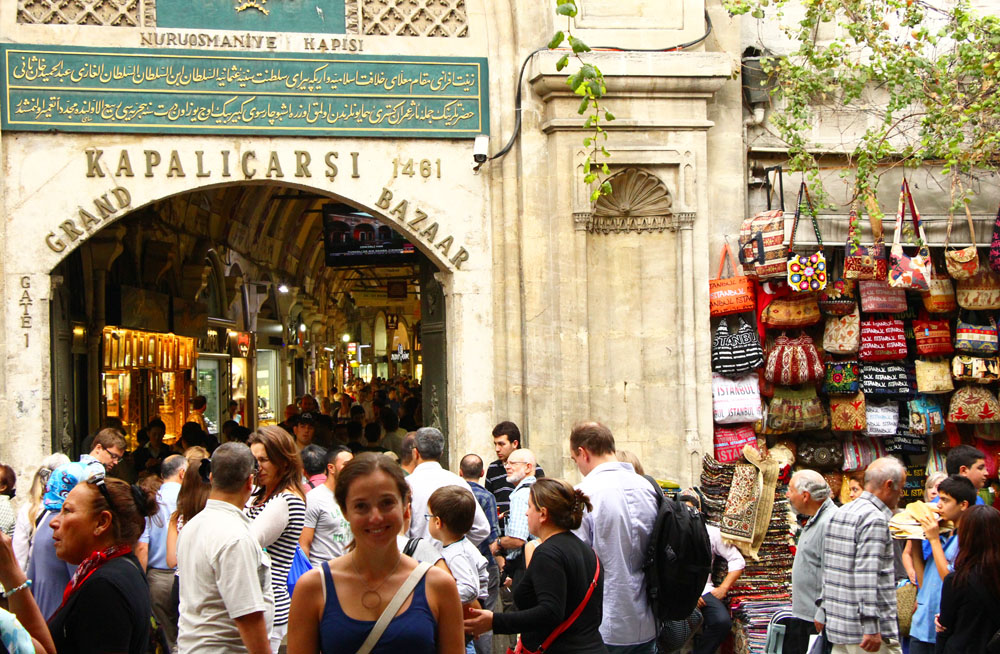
x=341, y=531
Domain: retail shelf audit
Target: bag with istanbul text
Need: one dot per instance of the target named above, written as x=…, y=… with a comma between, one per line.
x=727, y=295
x=736, y=353
x=736, y=400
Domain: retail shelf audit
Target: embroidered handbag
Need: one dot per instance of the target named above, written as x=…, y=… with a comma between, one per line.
x=848, y=413
x=820, y=454
x=736, y=353
x=793, y=361
x=981, y=370
x=933, y=376
x=842, y=334
x=981, y=292
x=882, y=340
x=933, y=337
x=878, y=297
x=861, y=451
x=807, y=273
x=973, y=337
x=762, y=240
x=995, y=245
x=883, y=418
x=729, y=442
x=972, y=404
x=796, y=409
x=839, y=298
x=885, y=380
x=735, y=400
x=843, y=378
x=906, y=271
x=926, y=416
x=792, y=311
x=862, y=262
x=940, y=297
x=962, y=263
x=730, y=295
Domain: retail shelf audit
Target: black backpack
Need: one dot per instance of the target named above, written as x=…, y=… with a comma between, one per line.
x=678, y=560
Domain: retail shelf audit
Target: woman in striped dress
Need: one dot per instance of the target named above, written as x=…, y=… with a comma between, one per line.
x=278, y=511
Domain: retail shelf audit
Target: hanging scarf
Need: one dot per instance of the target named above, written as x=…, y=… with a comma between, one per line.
x=90, y=566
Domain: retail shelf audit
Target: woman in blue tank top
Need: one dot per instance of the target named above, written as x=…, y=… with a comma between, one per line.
x=335, y=607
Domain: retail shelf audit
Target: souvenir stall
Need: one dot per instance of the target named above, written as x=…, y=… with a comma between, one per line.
x=145, y=375
x=841, y=355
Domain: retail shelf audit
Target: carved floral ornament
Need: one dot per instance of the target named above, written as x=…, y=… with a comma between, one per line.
x=639, y=202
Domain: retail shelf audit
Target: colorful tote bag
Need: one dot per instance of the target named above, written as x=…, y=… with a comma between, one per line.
x=729, y=442
x=926, y=416
x=839, y=298
x=964, y=262
x=796, y=409
x=882, y=340
x=933, y=337
x=933, y=376
x=972, y=404
x=878, y=297
x=905, y=271
x=861, y=262
x=806, y=273
x=882, y=418
x=973, y=336
x=732, y=294
x=793, y=361
x=762, y=239
x=848, y=413
x=792, y=311
x=888, y=380
x=982, y=370
x=995, y=245
x=735, y=400
x=843, y=378
x=940, y=297
x=981, y=292
x=861, y=451
x=738, y=353
x=842, y=334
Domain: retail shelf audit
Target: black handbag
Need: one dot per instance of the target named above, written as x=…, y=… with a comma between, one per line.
x=736, y=353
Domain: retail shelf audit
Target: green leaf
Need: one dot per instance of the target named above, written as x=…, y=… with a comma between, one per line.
x=587, y=141
x=557, y=39
x=578, y=45
x=563, y=62
x=605, y=169
x=606, y=188
x=582, y=109
x=566, y=9
x=608, y=115
x=595, y=194
x=575, y=80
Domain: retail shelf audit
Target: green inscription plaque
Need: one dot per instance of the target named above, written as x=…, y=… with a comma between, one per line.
x=58, y=88
x=321, y=16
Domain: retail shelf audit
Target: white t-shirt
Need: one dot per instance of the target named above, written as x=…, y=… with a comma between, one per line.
x=224, y=574
x=425, y=552
x=468, y=567
x=332, y=531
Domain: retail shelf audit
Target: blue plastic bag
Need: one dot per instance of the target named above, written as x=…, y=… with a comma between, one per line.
x=300, y=566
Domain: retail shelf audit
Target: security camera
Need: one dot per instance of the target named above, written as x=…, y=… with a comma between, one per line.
x=480, y=151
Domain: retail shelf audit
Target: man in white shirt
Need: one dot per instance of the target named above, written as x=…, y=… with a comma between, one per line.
x=619, y=529
x=717, y=623
x=326, y=532
x=427, y=477
x=226, y=601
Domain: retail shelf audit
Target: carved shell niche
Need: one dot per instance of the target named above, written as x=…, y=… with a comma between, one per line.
x=635, y=194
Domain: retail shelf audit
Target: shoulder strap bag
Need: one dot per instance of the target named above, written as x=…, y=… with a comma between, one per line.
x=908, y=272
x=567, y=623
x=806, y=273
x=390, y=611
x=962, y=263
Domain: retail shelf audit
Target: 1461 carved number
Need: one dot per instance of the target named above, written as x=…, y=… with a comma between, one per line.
x=425, y=167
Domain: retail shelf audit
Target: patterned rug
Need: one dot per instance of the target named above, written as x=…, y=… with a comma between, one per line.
x=739, y=518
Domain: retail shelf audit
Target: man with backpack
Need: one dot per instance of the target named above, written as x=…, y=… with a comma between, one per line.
x=619, y=529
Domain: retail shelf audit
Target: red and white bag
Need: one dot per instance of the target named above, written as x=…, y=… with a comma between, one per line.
x=729, y=442
x=736, y=400
x=882, y=340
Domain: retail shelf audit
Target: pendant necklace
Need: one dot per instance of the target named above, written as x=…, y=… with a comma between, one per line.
x=371, y=599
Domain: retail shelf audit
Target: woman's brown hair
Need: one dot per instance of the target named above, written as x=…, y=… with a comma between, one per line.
x=280, y=449
x=129, y=507
x=978, y=560
x=365, y=464
x=565, y=504
x=195, y=489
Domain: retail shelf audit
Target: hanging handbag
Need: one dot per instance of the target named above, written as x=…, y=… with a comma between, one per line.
x=974, y=337
x=762, y=239
x=736, y=353
x=796, y=409
x=519, y=648
x=962, y=263
x=982, y=370
x=878, y=297
x=995, y=245
x=908, y=272
x=735, y=400
x=729, y=442
x=940, y=297
x=933, y=376
x=926, y=416
x=843, y=378
x=842, y=334
x=861, y=262
x=732, y=294
x=861, y=451
x=848, y=413
x=904, y=441
x=987, y=431
x=839, y=298
x=820, y=454
x=791, y=311
x=888, y=380
x=793, y=361
x=981, y=292
x=933, y=337
x=882, y=340
x=806, y=274
x=882, y=418
x=972, y=404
